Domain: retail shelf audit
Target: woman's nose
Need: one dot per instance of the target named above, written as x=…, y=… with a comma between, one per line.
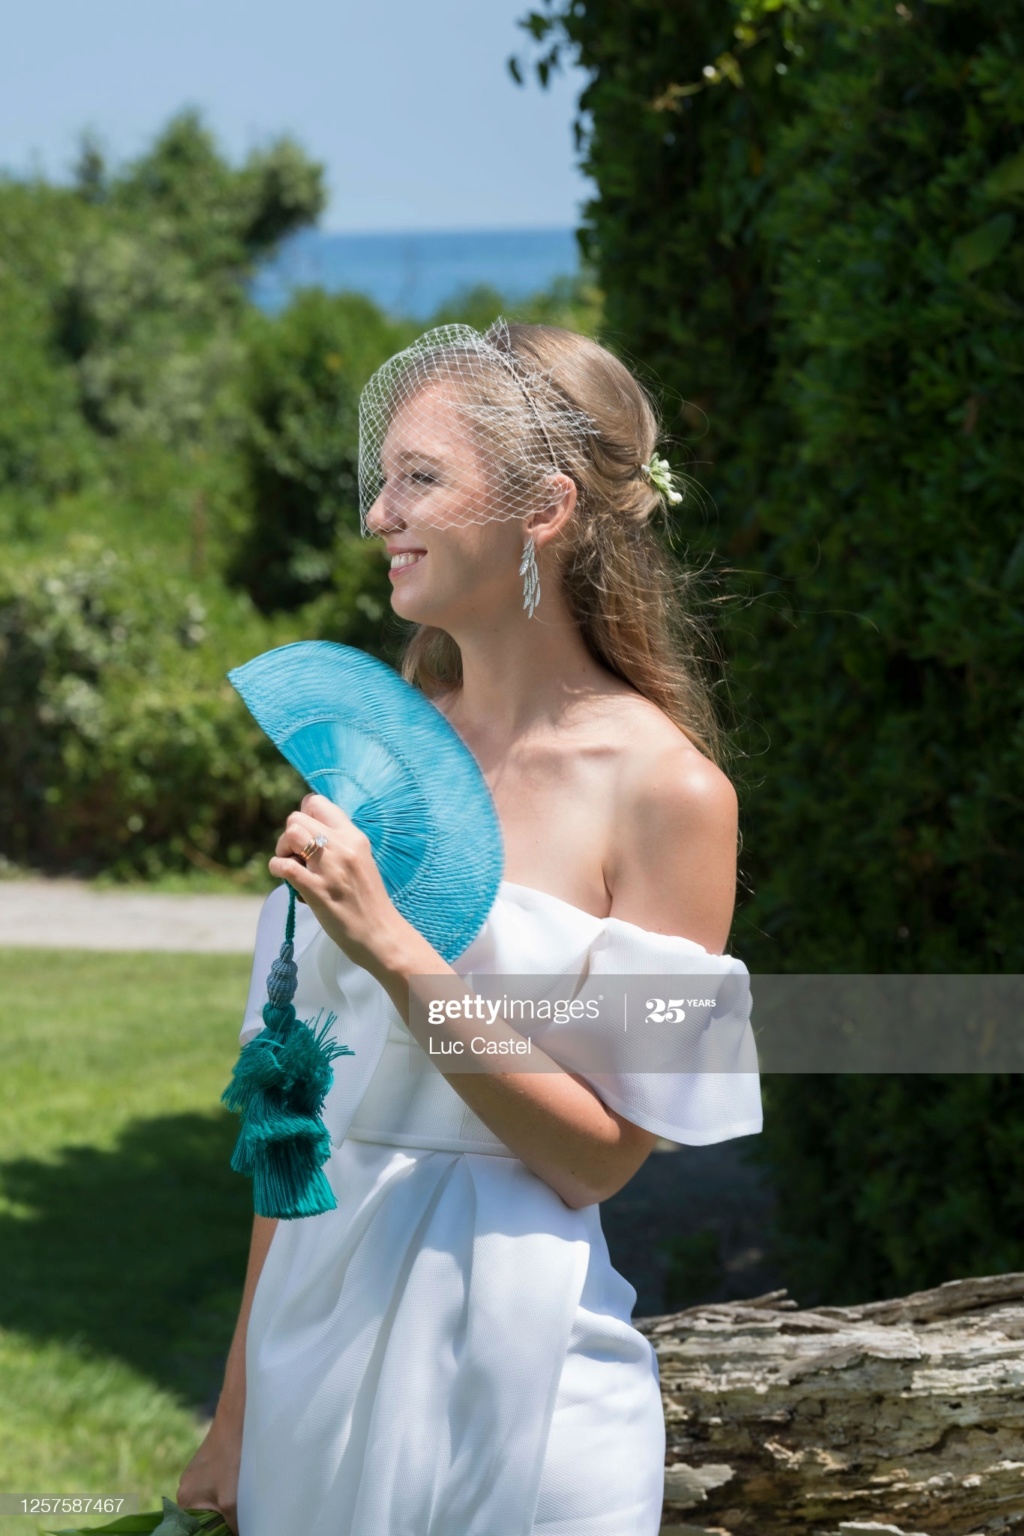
x=379, y=519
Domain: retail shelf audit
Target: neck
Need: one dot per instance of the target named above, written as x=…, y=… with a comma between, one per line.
x=519, y=673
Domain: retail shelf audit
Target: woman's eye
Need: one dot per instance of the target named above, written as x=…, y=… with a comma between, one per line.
x=422, y=477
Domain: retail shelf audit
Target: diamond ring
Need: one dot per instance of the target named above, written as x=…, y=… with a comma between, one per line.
x=305, y=854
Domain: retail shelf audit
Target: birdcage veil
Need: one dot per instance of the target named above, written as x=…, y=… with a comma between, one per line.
x=458, y=429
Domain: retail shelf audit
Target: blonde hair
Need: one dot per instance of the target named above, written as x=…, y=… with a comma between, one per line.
x=631, y=599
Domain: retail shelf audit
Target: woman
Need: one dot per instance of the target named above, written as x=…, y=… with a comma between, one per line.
x=450, y=1352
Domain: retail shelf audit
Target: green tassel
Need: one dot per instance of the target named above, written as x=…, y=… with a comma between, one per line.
x=278, y=1086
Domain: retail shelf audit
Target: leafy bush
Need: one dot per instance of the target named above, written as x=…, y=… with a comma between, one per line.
x=574, y=302
x=222, y=219
x=305, y=370
x=211, y=451
x=126, y=748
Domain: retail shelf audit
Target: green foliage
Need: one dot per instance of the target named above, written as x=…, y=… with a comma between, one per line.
x=887, y=1185
x=220, y=218
x=814, y=256
x=121, y=302
x=807, y=227
x=125, y=746
x=574, y=302
x=306, y=368
x=44, y=444
x=143, y=398
x=153, y=349
x=694, y=1269
x=211, y=453
x=355, y=608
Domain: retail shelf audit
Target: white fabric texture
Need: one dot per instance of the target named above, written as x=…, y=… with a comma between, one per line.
x=450, y=1352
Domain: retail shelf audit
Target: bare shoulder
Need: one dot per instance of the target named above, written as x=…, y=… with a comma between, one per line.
x=659, y=765
x=672, y=865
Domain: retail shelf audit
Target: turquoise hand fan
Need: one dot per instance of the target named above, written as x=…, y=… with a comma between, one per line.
x=363, y=737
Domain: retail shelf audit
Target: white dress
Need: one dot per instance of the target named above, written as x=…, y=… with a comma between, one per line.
x=450, y=1352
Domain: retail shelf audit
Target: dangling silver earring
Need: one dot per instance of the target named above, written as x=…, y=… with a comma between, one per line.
x=531, y=580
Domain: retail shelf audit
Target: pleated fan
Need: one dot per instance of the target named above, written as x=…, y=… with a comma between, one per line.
x=359, y=734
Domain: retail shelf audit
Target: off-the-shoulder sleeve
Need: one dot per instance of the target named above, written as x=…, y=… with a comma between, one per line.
x=269, y=938
x=693, y=1079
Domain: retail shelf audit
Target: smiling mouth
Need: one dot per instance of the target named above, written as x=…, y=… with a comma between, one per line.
x=400, y=562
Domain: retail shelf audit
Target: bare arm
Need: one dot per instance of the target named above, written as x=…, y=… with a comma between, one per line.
x=210, y=1481
x=231, y=1403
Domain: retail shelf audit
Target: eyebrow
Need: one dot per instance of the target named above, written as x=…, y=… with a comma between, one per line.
x=412, y=455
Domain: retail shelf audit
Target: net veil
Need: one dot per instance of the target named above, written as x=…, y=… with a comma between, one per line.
x=457, y=430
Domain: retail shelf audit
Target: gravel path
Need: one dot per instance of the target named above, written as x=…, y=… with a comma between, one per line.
x=72, y=914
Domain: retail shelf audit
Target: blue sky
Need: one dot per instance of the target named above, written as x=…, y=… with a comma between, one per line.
x=408, y=103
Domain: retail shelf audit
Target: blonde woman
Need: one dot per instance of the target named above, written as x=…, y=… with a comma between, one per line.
x=450, y=1352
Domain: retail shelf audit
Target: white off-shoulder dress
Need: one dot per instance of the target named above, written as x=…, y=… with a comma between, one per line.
x=450, y=1352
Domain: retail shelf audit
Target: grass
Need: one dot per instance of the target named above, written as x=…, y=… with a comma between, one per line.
x=123, y=1231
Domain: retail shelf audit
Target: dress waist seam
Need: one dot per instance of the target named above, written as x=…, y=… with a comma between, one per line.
x=425, y=1142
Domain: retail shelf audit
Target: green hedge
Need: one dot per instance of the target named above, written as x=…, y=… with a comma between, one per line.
x=888, y=1185
x=817, y=267
x=807, y=229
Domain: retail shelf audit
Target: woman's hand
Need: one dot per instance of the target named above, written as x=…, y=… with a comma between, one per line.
x=210, y=1481
x=342, y=884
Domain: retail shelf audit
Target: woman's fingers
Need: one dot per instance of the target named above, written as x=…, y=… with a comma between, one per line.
x=300, y=831
x=322, y=832
x=318, y=817
x=210, y=1481
x=202, y=1496
x=325, y=811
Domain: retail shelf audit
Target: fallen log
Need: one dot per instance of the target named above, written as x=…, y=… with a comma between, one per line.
x=895, y=1418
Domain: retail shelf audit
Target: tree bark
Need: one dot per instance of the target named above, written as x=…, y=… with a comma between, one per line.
x=897, y=1418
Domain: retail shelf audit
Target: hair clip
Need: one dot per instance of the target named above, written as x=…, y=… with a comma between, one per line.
x=659, y=474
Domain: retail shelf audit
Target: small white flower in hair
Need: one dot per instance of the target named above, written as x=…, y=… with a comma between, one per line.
x=659, y=474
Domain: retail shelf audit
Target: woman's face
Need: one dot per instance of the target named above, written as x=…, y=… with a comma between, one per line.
x=440, y=499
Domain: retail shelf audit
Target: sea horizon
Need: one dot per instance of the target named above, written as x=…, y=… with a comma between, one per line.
x=410, y=273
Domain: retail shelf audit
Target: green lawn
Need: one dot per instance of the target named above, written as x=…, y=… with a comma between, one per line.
x=123, y=1231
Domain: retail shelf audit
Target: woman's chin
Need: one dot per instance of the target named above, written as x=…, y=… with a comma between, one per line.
x=419, y=601
x=415, y=608
x=435, y=613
